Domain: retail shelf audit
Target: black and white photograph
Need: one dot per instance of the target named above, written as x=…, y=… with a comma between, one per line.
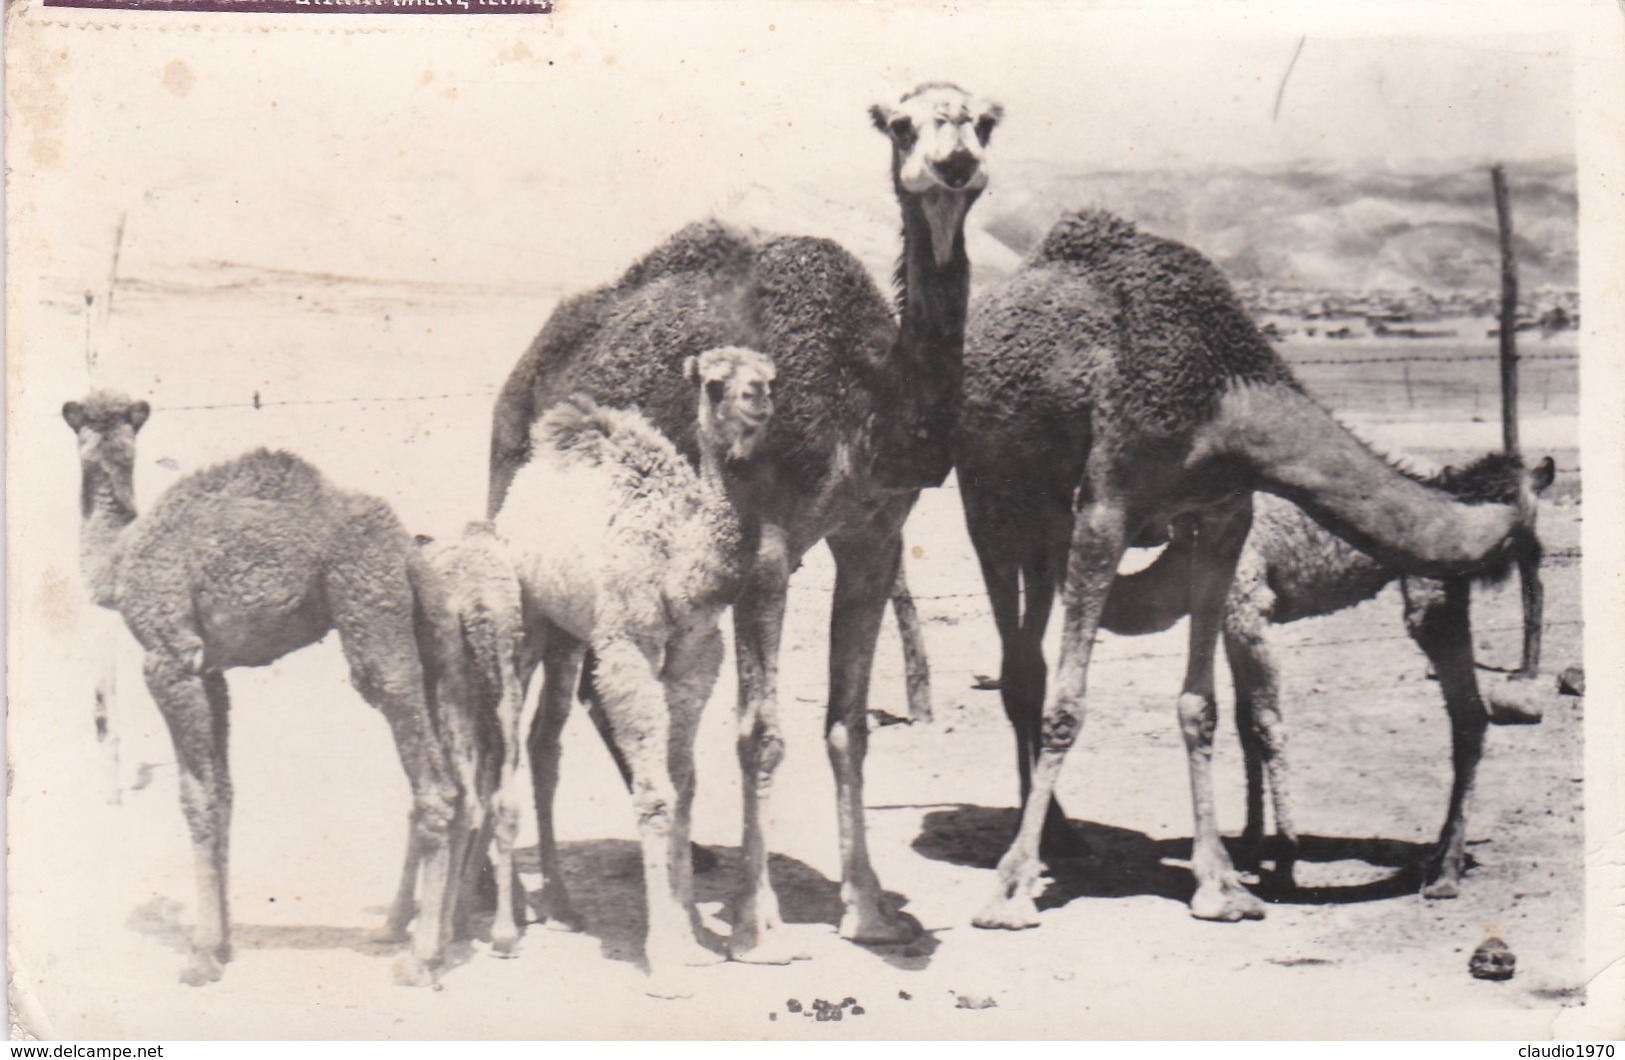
x=833, y=521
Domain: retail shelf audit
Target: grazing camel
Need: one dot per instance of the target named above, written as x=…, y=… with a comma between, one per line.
x=1115, y=384
x=1293, y=568
x=866, y=407
x=621, y=548
x=238, y=565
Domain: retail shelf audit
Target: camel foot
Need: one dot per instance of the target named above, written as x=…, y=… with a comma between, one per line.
x=1226, y=900
x=1008, y=912
x=204, y=968
x=871, y=925
x=505, y=948
x=670, y=969
x=773, y=945
x=411, y=970
x=1442, y=888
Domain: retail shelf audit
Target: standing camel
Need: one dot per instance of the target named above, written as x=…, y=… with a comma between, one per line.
x=621, y=548
x=866, y=407
x=1293, y=568
x=1113, y=386
x=238, y=565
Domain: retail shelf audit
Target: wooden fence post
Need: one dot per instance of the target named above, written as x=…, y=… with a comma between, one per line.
x=1534, y=596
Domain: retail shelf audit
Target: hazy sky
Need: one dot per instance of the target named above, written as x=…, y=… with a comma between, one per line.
x=445, y=148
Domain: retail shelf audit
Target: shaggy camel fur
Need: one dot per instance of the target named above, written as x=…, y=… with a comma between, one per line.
x=238, y=565
x=865, y=415
x=615, y=544
x=1114, y=385
x=1292, y=568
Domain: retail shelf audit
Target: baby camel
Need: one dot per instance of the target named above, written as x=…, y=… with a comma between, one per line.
x=238, y=565
x=1290, y=568
x=614, y=544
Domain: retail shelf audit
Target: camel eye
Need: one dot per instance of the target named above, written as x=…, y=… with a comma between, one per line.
x=715, y=391
x=984, y=128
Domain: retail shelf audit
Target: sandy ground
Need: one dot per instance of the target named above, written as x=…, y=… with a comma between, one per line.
x=102, y=895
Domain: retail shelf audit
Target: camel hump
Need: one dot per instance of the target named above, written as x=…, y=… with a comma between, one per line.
x=580, y=429
x=709, y=247
x=1089, y=237
x=263, y=474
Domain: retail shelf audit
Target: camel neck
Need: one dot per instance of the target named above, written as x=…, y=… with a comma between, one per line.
x=918, y=389
x=932, y=297
x=105, y=511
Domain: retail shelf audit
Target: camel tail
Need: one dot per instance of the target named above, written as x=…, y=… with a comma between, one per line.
x=1296, y=450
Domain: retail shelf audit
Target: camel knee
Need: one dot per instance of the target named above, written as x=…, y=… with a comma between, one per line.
x=761, y=749
x=1061, y=725
x=1198, y=718
x=656, y=808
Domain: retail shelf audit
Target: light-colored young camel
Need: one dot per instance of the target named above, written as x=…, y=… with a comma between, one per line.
x=1293, y=568
x=611, y=542
x=1115, y=384
x=238, y=565
x=866, y=407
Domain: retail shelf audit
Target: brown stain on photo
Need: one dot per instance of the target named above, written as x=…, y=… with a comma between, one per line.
x=58, y=603
x=179, y=78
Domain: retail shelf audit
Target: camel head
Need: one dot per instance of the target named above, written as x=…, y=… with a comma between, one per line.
x=736, y=399
x=939, y=135
x=106, y=424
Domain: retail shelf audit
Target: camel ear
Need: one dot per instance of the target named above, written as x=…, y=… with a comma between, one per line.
x=691, y=369
x=74, y=413
x=1542, y=475
x=138, y=414
x=881, y=116
x=986, y=123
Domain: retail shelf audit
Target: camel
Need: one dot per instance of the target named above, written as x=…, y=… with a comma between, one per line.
x=1292, y=568
x=866, y=407
x=1112, y=386
x=471, y=639
x=238, y=565
x=621, y=548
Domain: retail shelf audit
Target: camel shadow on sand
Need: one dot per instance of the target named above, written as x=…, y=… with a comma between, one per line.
x=1122, y=863
x=605, y=878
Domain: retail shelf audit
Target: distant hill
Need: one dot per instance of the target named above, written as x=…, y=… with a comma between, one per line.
x=1316, y=228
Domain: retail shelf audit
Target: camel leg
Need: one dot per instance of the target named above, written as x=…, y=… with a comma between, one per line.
x=1220, y=894
x=1011, y=564
x=703, y=860
x=561, y=665
x=758, y=624
x=506, y=801
x=864, y=569
x=1258, y=721
x=1437, y=615
x=107, y=729
x=690, y=673
x=195, y=707
x=916, y=664
x=371, y=601
x=635, y=701
x=1099, y=533
x=405, y=905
